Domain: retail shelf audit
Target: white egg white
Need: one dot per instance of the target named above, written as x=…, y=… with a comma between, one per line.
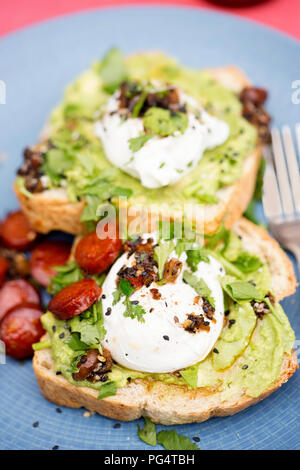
x=160, y=344
x=161, y=161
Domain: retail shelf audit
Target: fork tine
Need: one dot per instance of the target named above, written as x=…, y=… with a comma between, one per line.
x=292, y=164
x=282, y=175
x=271, y=198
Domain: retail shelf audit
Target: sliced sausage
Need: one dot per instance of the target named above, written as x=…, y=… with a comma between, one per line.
x=75, y=298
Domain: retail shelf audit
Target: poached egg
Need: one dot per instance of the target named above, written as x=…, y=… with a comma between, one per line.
x=160, y=344
x=161, y=160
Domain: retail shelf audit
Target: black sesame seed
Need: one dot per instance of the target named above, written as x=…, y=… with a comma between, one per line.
x=166, y=304
x=55, y=447
x=54, y=328
x=206, y=323
x=36, y=424
x=227, y=312
x=58, y=372
x=245, y=366
x=166, y=337
x=83, y=360
x=103, y=296
x=58, y=410
x=231, y=322
x=196, y=439
x=108, y=311
x=215, y=350
x=117, y=426
x=62, y=335
x=135, y=302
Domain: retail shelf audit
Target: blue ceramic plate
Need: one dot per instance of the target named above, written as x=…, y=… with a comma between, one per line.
x=36, y=64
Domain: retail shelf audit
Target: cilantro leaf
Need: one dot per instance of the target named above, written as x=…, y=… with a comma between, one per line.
x=133, y=310
x=113, y=70
x=136, y=143
x=66, y=274
x=90, y=210
x=195, y=256
x=89, y=325
x=247, y=262
x=199, y=285
x=190, y=375
x=117, y=294
x=240, y=290
x=107, y=389
x=220, y=235
x=148, y=432
x=76, y=344
x=171, y=440
x=125, y=287
x=161, y=254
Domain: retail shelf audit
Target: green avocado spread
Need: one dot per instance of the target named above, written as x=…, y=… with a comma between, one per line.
x=246, y=357
x=77, y=160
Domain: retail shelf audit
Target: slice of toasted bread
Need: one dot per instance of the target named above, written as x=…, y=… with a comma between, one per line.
x=51, y=210
x=175, y=404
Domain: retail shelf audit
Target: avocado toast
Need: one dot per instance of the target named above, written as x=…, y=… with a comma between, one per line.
x=247, y=340
x=70, y=172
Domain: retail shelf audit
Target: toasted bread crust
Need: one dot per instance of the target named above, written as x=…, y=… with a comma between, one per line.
x=174, y=404
x=165, y=404
x=51, y=210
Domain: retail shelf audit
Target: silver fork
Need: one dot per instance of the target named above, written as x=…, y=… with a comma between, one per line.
x=281, y=191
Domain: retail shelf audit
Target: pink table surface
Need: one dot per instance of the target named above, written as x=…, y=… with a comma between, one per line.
x=283, y=15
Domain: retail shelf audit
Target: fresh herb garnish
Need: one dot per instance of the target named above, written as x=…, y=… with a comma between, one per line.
x=132, y=310
x=190, y=375
x=247, y=262
x=195, y=256
x=107, y=389
x=161, y=254
x=136, y=143
x=171, y=440
x=199, y=285
x=75, y=343
x=66, y=274
x=240, y=290
x=148, y=432
x=113, y=70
